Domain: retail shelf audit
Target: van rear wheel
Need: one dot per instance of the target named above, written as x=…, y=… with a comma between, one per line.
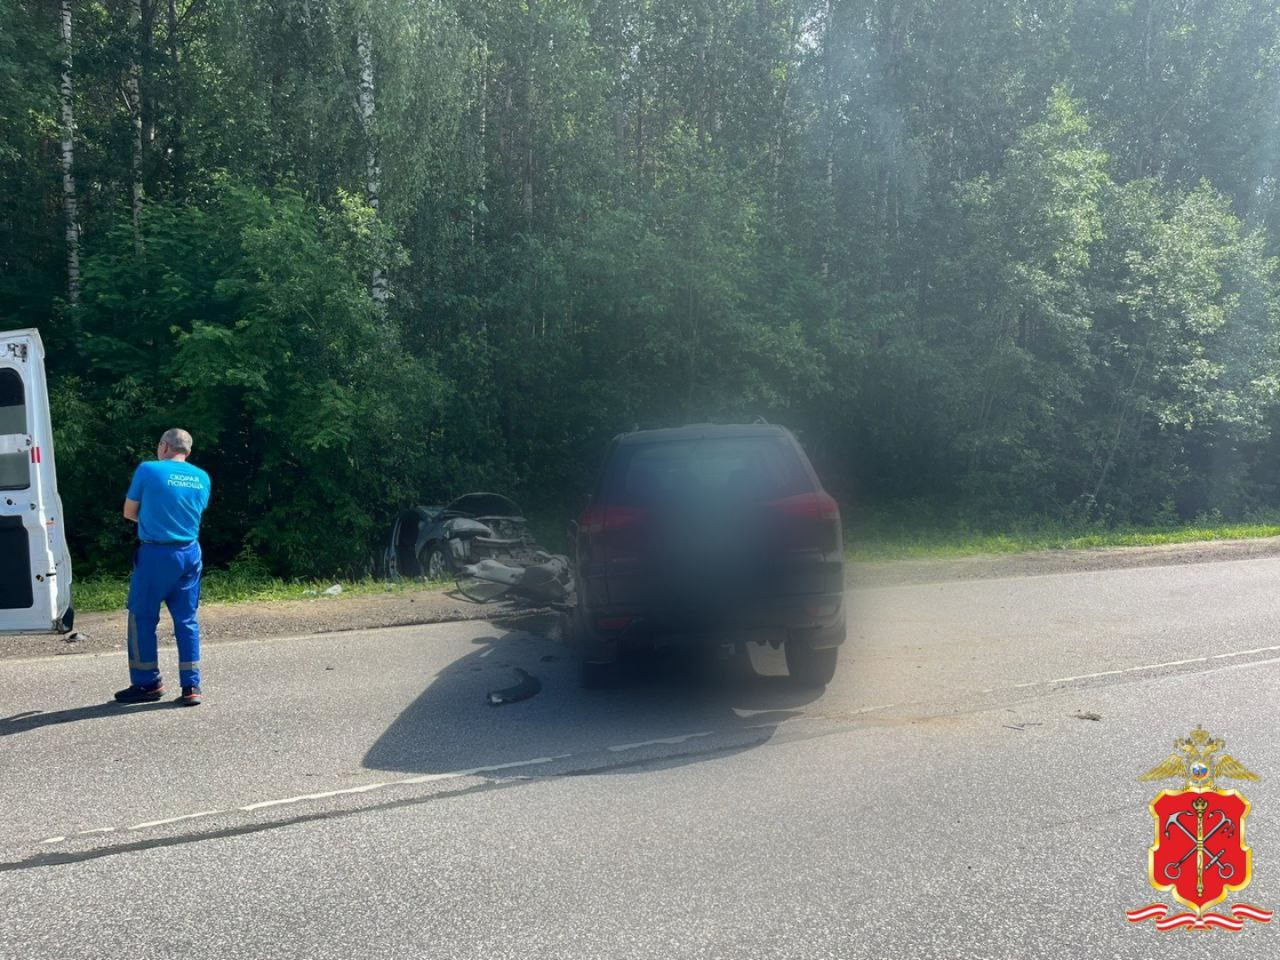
x=810, y=667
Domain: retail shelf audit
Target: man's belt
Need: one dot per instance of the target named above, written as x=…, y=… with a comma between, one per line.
x=168, y=543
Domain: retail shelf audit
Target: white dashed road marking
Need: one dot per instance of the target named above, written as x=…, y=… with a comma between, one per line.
x=301, y=798
x=159, y=823
x=1164, y=665
x=624, y=747
x=364, y=788
x=683, y=738
x=1156, y=666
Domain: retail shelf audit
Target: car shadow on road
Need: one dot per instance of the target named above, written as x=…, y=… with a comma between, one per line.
x=702, y=713
x=33, y=719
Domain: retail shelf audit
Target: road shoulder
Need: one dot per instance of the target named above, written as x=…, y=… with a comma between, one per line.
x=221, y=622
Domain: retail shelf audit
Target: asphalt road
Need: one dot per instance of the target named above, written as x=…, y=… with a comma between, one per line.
x=353, y=795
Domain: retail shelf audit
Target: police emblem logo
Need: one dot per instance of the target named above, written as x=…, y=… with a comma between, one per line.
x=1199, y=856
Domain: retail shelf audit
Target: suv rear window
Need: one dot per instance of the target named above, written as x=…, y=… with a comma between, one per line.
x=755, y=468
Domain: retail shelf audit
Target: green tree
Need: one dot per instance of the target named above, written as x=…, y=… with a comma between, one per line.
x=1027, y=311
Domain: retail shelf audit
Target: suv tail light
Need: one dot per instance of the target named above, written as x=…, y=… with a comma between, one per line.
x=811, y=522
x=609, y=519
x=818, y=505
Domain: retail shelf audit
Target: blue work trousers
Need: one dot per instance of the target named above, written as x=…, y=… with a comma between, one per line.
x=168, y=574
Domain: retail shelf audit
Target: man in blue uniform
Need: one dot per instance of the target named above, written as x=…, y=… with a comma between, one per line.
x=166, y=500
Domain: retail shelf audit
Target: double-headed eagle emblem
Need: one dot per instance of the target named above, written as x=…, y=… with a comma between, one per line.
x=1197, y=761
x=1199, y=856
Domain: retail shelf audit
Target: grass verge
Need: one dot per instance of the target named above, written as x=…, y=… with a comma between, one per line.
x=106, y=593
x=876, y=538
x=880, y=539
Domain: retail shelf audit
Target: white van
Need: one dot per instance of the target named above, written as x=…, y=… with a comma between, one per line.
x=35, y=571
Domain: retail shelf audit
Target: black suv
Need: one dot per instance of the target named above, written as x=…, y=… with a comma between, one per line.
x=709, y=533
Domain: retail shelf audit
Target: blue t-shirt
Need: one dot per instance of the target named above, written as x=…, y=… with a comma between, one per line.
x=172, y=495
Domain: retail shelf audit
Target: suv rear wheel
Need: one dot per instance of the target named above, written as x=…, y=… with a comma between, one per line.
x=600, y=675
x=596, y=673
x=810, y=667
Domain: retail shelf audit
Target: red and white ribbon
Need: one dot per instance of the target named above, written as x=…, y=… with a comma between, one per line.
x=1240, y=912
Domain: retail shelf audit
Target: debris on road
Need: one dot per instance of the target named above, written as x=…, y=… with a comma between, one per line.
x=526, y=687
x=546, y=578
x=1086, y=716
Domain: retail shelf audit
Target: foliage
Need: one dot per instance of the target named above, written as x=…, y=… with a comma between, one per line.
x=247, y=319
x=1009, y=260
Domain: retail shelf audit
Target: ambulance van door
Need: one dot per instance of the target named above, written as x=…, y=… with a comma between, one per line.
x=35, y=572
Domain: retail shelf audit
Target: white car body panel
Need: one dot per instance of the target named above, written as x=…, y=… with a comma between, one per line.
x=35, y=570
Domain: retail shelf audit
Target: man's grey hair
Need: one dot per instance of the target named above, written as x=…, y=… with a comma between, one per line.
x=177, y=439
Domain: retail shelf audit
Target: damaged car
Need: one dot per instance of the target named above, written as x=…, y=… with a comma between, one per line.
x=435, y=542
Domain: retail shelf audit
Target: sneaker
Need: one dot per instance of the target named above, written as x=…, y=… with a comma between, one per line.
x=139, y=694
x=190, y=697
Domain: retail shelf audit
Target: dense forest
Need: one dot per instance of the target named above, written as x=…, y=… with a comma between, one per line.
x=1009, y=257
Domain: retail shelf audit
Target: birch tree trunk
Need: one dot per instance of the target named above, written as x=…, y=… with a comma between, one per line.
x=145, y=35
x=828, y=134
x=368, y=120
x=310, y=47
x=481, y=158
x=177, y=101
x=68, y=163
x=171, y=22
x=133, y=100
x=529, y=109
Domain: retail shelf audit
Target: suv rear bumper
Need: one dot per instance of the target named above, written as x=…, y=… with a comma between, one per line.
x=816, y=619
